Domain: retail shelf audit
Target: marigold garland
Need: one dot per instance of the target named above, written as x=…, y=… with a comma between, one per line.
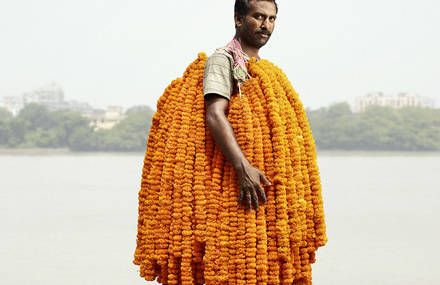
x=272, y=250
x=258, y=161
x=191, y=229
x=235, y=111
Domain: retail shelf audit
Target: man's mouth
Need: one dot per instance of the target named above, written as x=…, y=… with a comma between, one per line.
x=263, y=33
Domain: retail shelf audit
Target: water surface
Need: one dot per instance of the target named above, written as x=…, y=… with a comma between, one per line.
x=70, y=218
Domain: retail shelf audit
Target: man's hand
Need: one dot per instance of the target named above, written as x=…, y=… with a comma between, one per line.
x=249, y=179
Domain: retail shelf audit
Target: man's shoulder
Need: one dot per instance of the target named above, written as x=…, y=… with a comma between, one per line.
x=221, y=55
x=221, y=51
x=219, y=62
x=218, y=77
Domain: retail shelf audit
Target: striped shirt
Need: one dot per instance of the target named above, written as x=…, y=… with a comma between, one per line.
x=217, y=76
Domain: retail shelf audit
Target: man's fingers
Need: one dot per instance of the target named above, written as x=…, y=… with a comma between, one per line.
x=241, y=197
x=251, y=198
x=254, y=198
x=262, y=194
x=267, y=182
x=248, y=201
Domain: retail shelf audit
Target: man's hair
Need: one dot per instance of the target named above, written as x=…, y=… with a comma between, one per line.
x=242, y=7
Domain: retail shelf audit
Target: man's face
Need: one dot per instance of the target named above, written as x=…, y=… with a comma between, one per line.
x=256, y=28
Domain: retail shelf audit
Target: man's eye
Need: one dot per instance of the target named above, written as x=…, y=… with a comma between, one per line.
x=259, y=17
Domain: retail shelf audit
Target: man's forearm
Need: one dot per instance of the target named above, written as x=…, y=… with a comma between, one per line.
x=224, y=136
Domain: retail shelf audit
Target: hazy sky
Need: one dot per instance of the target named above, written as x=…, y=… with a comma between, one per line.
x=126, y=52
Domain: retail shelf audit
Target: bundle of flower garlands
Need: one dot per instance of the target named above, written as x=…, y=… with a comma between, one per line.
x=191, y=229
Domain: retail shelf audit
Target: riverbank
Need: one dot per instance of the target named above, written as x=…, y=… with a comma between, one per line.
x=322, y=152
x=58, y=151
x=376, y=153
x=33, y=151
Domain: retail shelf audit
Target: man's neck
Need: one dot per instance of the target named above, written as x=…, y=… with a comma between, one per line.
x=249, y=50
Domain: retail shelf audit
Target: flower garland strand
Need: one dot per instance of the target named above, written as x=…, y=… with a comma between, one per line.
x=184, y=109
x=145, y=248
x=313, y=207
x=251, y=223
x=169, y=273
x=233, y=225
x=312, y=165
x=295, y=197
x=306, y=213
x=200, y=174
x=200, y=167
x=287, y=267
x=211, y=251
x=235, y=210
x=188, y=185
x=257, y=112
x=235, y=111
x=223, y=220
x=162, y=177
x=279, y=144
x=272, y=250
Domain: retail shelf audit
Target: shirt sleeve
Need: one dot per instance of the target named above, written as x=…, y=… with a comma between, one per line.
x=217, y=76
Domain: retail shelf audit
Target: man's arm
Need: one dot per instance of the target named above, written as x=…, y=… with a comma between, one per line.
x=248, y=176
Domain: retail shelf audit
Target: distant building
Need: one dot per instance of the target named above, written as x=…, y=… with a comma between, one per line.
x=82, y=107
x=13, y=103
x=105, y=119
x=395, y=101
x=50, y=96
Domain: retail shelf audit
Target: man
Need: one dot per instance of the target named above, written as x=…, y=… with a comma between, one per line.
x=190, y=231
x=254, y=24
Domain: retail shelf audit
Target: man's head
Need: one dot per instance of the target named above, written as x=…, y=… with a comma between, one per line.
x=255, y=21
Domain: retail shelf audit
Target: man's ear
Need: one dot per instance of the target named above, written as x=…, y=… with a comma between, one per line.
x=238, y=19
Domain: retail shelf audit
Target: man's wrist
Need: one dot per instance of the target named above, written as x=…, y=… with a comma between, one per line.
x=241, y=165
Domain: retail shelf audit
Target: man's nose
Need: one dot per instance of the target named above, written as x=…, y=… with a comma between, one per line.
x=264, y=24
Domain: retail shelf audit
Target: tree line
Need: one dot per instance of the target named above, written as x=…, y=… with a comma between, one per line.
x=378, y=128
x=333, y=127
x=35, y=126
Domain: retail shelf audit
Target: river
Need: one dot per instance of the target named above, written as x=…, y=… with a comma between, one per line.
x=70, y=218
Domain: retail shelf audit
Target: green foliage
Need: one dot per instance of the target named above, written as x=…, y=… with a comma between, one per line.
x=35, y=126
x=5, y=114
x=37, y=116
x=334, y=127
x=17, y=129
x=5, y=132
x=378, y=128
x=83, y=139
x=41, y=138
x=130, y=134
x=139, y=109
x=67, y=122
